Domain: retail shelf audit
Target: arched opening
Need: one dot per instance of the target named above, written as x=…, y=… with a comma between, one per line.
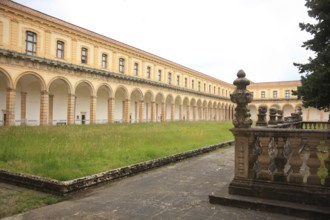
x=148, y=98
x=136, y=106
x=177, y=110
x=185, y=109
x=28, y=93
x=287, y=110
x=159, y=107
x=168, y=108
x=205, y=110
x=209, y=111
x=102, y=105
x=83, y=103
x=120, y=99
x=58, y=102
x=199, y=116
x=253, y=112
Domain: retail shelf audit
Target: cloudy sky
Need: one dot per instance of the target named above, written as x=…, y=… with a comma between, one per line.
x=215, y=37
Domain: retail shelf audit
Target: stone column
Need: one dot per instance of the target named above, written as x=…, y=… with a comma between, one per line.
x=141, y=111
x=51, y=106
x=172, y=112
x=44, y=105
x=163, y=112
x=110, y=110
x=10, y=106
x=152, y=113
x=126, y=111
x=71, y=109
x=194, y=113
x=23, y=108
x=188, y=112
x=92, y=110
x=180, y=112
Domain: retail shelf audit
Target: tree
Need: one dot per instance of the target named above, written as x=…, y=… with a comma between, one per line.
x=315, y=88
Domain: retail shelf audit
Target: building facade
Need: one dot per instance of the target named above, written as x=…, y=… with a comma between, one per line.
x=53, y=72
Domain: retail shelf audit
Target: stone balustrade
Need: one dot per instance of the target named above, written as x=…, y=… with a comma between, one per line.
x=278, y=159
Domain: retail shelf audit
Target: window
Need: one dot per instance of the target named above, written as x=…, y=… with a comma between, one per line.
x=192, y=84
x=177, y=80
x=169, y=78
x=84, y=53
x=104, y=60
x=121, y=65
x=287, y=94
x=31, y=43
x=148, y=72
x=185, y=82
x=159, y=75
x=263, y=94
x=60, y=49
x=199, y=86
x=204, y=87
x=274, y=94
x=136, y=69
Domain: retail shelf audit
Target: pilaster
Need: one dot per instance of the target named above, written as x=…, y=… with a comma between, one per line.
x=110, y=110
x=71, y=109
x=10, y=106
x=23, y=108
x=92, y=108
x=51, y=106
x=141, y=111
x=44, y=105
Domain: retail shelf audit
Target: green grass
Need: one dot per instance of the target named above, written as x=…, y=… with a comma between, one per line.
x=68, y=152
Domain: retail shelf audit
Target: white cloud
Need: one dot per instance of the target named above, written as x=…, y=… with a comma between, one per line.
x=215, y=37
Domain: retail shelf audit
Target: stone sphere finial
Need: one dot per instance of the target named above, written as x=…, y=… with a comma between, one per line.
x=241, y=82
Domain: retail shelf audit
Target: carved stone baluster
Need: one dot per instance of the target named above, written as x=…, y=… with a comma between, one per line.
x=272, y=116
x=262, y=113
x=264, y=160
x=313, y=162
x=280, y=117
x=280, y=161
x=327, y=164
x=295, y=161
x=253, y=156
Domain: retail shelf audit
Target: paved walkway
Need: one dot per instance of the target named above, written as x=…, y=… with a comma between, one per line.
x=176, y=191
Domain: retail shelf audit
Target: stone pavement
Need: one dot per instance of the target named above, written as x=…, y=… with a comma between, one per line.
x=176, y=191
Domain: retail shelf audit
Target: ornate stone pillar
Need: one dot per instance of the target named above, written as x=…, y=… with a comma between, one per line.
x=242, y=97
x=92, y=109
x=44, y=105
x=110, y=110
x=23, y=108
x=71, y=109
x=272, y=116
x=51, y=106
x=10, y=106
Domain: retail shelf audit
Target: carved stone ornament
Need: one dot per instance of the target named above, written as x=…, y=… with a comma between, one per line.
x=262, y=113
x=242, y=97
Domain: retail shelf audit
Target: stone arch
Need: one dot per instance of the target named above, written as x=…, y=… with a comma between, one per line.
x=275, y=106
x=149, y=103
x=160, y=107
x=209, y=111
x=136, y=102
x=7, y=77
x=90, y=86
x=121, y=105
x=185, y=109
x=59, y=89
x=31, y=97
x=214, y=111
x=84, y=113
x=64, y=79
x=103, y=104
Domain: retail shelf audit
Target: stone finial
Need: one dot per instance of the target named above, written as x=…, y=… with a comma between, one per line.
x=272, y=116
x=299, y=113
x=262, y=113
x=241, y=96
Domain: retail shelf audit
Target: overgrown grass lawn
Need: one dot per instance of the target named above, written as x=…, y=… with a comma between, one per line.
x=68, y=152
